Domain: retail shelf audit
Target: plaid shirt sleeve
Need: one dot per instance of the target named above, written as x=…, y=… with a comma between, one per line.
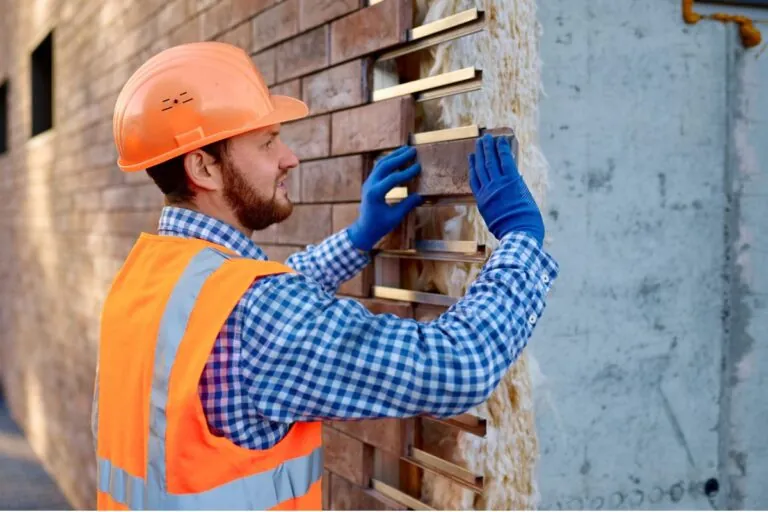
x=331, y=262
x=308, y=355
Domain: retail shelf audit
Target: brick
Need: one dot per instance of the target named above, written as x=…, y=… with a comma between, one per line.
x=280, y=253
x=315, y=12
x=144, y=197
x=217, y=19
x=239, y=36
x=326, y=489
x=383, y=307
x=267, y=65
x=245, y=9
x=384, y=433
x=344, y=215
x=303, y=54
x=293, y=185
x=308, y=224
x=339, y=87
x=371, y=29
x=292, y=89
x=374, y=127
x=275, y=24
x=266, y=236
x=445, y=168
x=308, y=138
x=344, y=495
x=428, y=312
x=360, y=285
x=332, y=180
x=347, y=456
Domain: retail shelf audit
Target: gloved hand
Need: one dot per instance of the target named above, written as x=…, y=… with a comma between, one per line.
x=377, y=218
x=502, y=196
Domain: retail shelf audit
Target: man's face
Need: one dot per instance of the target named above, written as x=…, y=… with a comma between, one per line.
x=254, y=170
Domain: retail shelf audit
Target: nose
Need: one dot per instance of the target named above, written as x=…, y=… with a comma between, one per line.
x=289, y=159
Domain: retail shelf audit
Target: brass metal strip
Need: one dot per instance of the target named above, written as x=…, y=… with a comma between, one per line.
x=446, y=469
x=438, y=299
x=439, y=31
x=443, y=24
x=478, y=257
x=458, y=246
x=477, y=427
x=470, y=85
x=425, y=84
x=399, y=496
x=462, y=132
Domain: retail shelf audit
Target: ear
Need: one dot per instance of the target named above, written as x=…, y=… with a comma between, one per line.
x=202, y=170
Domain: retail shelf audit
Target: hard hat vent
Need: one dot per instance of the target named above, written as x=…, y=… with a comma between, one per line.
x=169, y=103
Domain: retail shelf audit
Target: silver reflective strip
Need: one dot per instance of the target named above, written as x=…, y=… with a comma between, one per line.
x=172, y=327
x=261, y=491
x=121, y=486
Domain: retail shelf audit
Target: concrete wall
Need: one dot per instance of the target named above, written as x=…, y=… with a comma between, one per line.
x=654, y=340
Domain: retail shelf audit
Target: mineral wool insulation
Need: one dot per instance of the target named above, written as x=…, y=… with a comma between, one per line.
x=507, y=53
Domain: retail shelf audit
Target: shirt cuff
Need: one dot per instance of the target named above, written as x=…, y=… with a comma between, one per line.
x=528, y=253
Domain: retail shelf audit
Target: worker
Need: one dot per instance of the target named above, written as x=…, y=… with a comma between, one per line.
x=216, y=366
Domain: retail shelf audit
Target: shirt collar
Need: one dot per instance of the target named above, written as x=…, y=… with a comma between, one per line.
x=175, y=221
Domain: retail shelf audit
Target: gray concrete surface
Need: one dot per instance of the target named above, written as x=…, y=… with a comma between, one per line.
x=653, y=344
x=24, y=484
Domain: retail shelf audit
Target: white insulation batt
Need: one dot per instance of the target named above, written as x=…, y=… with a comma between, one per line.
x=508, y=55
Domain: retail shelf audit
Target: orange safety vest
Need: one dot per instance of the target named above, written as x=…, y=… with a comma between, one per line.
x=155, y=450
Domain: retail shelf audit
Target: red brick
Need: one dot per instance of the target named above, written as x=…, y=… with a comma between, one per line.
x=267, y=65
x=345, y=495
x=444, y=166
x=292, y=89
x=239, y=36
x=384, y=433
x=245, y=9
x=347, y=456
x=360, y=285
x=339, y=87
x=308, y=138
x=332, y=180
x=374, y=127
x=382, y=307
x=344, y=215
x=308, y=224
x=326, y=489
x=266, y=236
x=315, y=12
x=303, y=54
x=371, y=29
x=293, y=185
x=275, y=24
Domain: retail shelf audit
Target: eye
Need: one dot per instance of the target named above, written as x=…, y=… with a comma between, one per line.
x=270, y=143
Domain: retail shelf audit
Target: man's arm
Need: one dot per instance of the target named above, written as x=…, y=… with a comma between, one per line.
x=308, y=355
x=331, y=262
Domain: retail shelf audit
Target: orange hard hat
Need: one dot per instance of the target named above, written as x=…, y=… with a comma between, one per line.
x=189, y=96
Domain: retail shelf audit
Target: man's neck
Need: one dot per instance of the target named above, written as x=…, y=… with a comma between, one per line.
x=226, y=217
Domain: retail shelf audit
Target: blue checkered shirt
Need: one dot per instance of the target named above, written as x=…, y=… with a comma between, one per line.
x=293, y=351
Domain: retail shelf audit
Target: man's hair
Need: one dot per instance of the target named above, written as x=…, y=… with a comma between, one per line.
x=171, y=177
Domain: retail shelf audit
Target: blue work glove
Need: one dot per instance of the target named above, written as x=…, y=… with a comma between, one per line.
x=377, y=218
x=502, y=196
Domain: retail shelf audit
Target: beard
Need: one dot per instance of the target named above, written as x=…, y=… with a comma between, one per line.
x=252, y=209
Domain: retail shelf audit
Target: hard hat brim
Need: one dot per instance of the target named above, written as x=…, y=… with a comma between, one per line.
x=285, y=109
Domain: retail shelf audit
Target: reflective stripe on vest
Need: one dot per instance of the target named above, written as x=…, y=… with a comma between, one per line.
x=265, y=490
x=261, y=491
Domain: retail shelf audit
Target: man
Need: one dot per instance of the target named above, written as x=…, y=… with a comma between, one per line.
x=216, y=365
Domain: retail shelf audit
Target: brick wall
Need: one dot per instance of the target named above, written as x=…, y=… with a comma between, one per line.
x=68, y=216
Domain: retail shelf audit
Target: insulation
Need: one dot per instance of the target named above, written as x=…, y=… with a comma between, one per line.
x=507, y=53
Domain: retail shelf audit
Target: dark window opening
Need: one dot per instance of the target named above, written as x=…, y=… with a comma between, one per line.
x=42, y=86
x=4, y=117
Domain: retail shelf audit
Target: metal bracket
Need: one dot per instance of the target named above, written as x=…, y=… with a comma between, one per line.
x=446, y=29
x=444, y=84
x=437, y=299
